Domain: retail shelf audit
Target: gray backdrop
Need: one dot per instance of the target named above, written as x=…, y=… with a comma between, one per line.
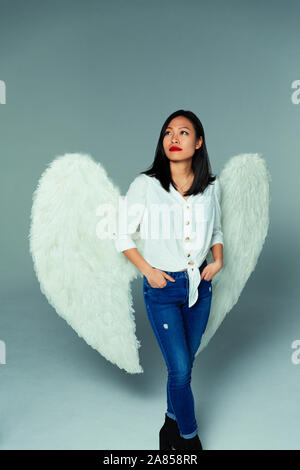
x=101, y=77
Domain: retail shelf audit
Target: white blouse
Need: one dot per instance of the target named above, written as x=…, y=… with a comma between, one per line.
x=177, y=232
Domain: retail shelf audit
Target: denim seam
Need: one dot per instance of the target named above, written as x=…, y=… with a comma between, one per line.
x=187, y=289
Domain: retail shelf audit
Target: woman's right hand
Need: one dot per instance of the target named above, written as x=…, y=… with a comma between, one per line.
x=156, y=278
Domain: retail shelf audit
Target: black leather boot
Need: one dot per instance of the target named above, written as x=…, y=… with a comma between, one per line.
x=169, y=433
x=193, y=443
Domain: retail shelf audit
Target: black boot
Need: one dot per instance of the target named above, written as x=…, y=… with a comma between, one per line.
x=193, y=443
x=169, y=433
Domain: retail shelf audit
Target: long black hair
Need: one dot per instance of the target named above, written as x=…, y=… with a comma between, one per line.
x=160, y=167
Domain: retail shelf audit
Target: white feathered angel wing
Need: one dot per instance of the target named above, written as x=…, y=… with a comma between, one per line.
x=244, y=183
x=83, y=277
x=89, y=283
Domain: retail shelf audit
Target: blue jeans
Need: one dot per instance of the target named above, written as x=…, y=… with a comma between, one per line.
x=178, y=329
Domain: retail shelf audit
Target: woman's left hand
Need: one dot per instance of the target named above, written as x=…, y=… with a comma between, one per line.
x=211, y=269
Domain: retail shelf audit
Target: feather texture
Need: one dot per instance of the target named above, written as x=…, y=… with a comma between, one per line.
x=83, y=277
x=244, y=184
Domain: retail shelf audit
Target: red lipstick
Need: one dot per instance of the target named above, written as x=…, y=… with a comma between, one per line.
x=174, y=148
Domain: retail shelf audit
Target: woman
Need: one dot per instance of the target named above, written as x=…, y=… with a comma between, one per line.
x=177, y=284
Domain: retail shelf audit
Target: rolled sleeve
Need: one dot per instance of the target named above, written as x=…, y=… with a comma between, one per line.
x=217, y=235
x=132, y=209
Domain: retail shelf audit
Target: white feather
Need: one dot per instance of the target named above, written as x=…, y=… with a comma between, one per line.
x=83, y=277
x=244, y=183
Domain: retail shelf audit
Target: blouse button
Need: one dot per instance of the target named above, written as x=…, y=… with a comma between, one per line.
x=186, y=207
x=191, y=262
x=187, y=239
x=188, y=254
x=187, y=222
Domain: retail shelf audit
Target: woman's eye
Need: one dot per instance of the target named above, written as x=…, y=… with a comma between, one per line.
x=170, y=131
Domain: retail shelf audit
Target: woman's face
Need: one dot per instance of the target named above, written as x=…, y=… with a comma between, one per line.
x=181, y=134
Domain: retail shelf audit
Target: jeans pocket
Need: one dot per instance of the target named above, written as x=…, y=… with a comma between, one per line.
x=207, y=286
x=163, y=287
x=148, y=285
